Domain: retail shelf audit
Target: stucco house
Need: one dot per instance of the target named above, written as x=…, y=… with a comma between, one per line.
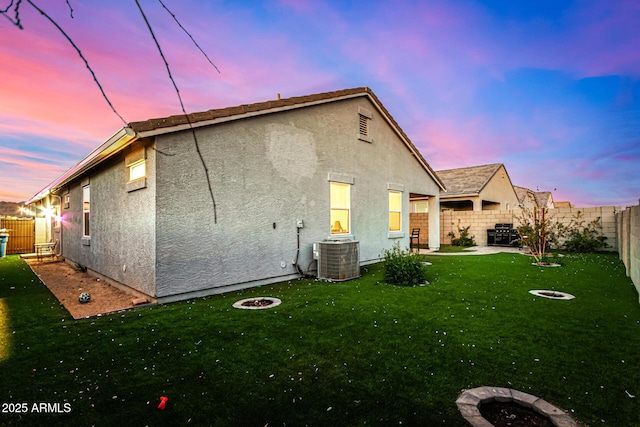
x=478, y=188
x=178, y=207
x=529, y=198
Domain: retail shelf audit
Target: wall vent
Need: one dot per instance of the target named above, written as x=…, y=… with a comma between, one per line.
x=338, y=259
x=363, y=125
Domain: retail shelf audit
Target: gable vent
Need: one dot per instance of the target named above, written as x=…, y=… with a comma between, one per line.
x=364, y=125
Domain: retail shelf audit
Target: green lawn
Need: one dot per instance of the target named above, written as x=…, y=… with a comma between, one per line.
x=333, y=354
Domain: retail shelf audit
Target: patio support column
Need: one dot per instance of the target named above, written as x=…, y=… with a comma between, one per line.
x=434, y=222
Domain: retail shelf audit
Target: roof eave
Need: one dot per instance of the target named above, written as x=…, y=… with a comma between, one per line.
x=365, y=91
x=218, y=120
x=456, y=195
x=115, y=143
x=412, y=148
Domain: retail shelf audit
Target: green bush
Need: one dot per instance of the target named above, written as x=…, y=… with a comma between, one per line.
x=464, y=240
x=584, y=238
x=401, y=268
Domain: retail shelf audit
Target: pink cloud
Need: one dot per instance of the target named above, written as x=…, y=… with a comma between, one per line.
x=470, y=141
x=28, y=159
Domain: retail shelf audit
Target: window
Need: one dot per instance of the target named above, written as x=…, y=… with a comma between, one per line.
x=420, y=206
x=395, y=210
x=137, y=170
x=340, y=195
x=86, y=211
x=136, y=164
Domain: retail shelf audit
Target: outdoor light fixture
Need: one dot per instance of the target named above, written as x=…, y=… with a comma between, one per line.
x=48, y=212
x=28, y=212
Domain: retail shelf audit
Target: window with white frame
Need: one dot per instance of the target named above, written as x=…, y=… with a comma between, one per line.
x=86, y=210
x=395, y=210
x=137, y=170
x=419, y=206
x=340, y=199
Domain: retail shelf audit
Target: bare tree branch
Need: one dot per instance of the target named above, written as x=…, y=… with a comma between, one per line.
x=193, y=132
x=16, y=13
x=183, y=29
x=6, y=9
x=95, y=79
x=70, y=9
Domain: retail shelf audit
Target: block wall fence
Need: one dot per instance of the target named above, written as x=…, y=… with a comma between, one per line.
x=628, y=247
x=481, y=221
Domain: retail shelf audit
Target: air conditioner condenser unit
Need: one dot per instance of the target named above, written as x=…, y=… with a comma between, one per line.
x=338, y=260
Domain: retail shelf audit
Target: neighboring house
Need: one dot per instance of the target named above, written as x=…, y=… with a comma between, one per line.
x=529, y=199
x=284, y=174
x=477, y=188
x=544, y=199
x=526, y=197
x=558, y=205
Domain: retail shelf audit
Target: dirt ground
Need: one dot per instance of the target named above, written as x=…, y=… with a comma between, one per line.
x=67, y=283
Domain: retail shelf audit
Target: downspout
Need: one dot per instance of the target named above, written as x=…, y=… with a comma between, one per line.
x=59, y=251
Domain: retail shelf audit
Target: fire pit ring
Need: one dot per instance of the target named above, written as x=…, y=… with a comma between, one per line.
x=257, y=303
x=470, y=401
x=552, y=294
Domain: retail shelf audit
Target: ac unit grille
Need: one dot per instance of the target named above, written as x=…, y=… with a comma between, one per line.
x=339, y=260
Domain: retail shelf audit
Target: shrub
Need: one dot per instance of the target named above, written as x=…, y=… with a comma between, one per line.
x=464, y=240
x=401, y=268
x=584, y=238
x=538, y=231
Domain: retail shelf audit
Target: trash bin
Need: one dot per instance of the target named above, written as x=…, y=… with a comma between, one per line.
x=3, y=244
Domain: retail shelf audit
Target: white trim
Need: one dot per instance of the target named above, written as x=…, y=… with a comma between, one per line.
x=342, y=178
x=395, y=187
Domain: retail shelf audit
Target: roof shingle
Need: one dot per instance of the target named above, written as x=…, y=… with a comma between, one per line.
x=469, y=180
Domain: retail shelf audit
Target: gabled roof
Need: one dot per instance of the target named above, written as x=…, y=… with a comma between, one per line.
x=136, y=130
x=543, y=198
x=540, y=198
x=467, y=181
x=522, y=192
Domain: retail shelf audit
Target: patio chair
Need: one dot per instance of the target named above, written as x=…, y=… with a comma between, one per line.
x=415, y=236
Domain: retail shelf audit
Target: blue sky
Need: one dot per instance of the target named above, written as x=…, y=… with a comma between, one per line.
x=548, y=88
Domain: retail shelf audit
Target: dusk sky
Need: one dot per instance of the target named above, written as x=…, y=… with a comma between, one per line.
x=549, y=88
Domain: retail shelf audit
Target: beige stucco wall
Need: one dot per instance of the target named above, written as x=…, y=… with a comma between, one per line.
x=499, y=189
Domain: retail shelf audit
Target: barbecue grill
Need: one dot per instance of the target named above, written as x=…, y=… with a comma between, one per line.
x=502, y=235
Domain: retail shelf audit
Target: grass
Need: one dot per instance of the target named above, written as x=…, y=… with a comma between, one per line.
x=333, y=354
